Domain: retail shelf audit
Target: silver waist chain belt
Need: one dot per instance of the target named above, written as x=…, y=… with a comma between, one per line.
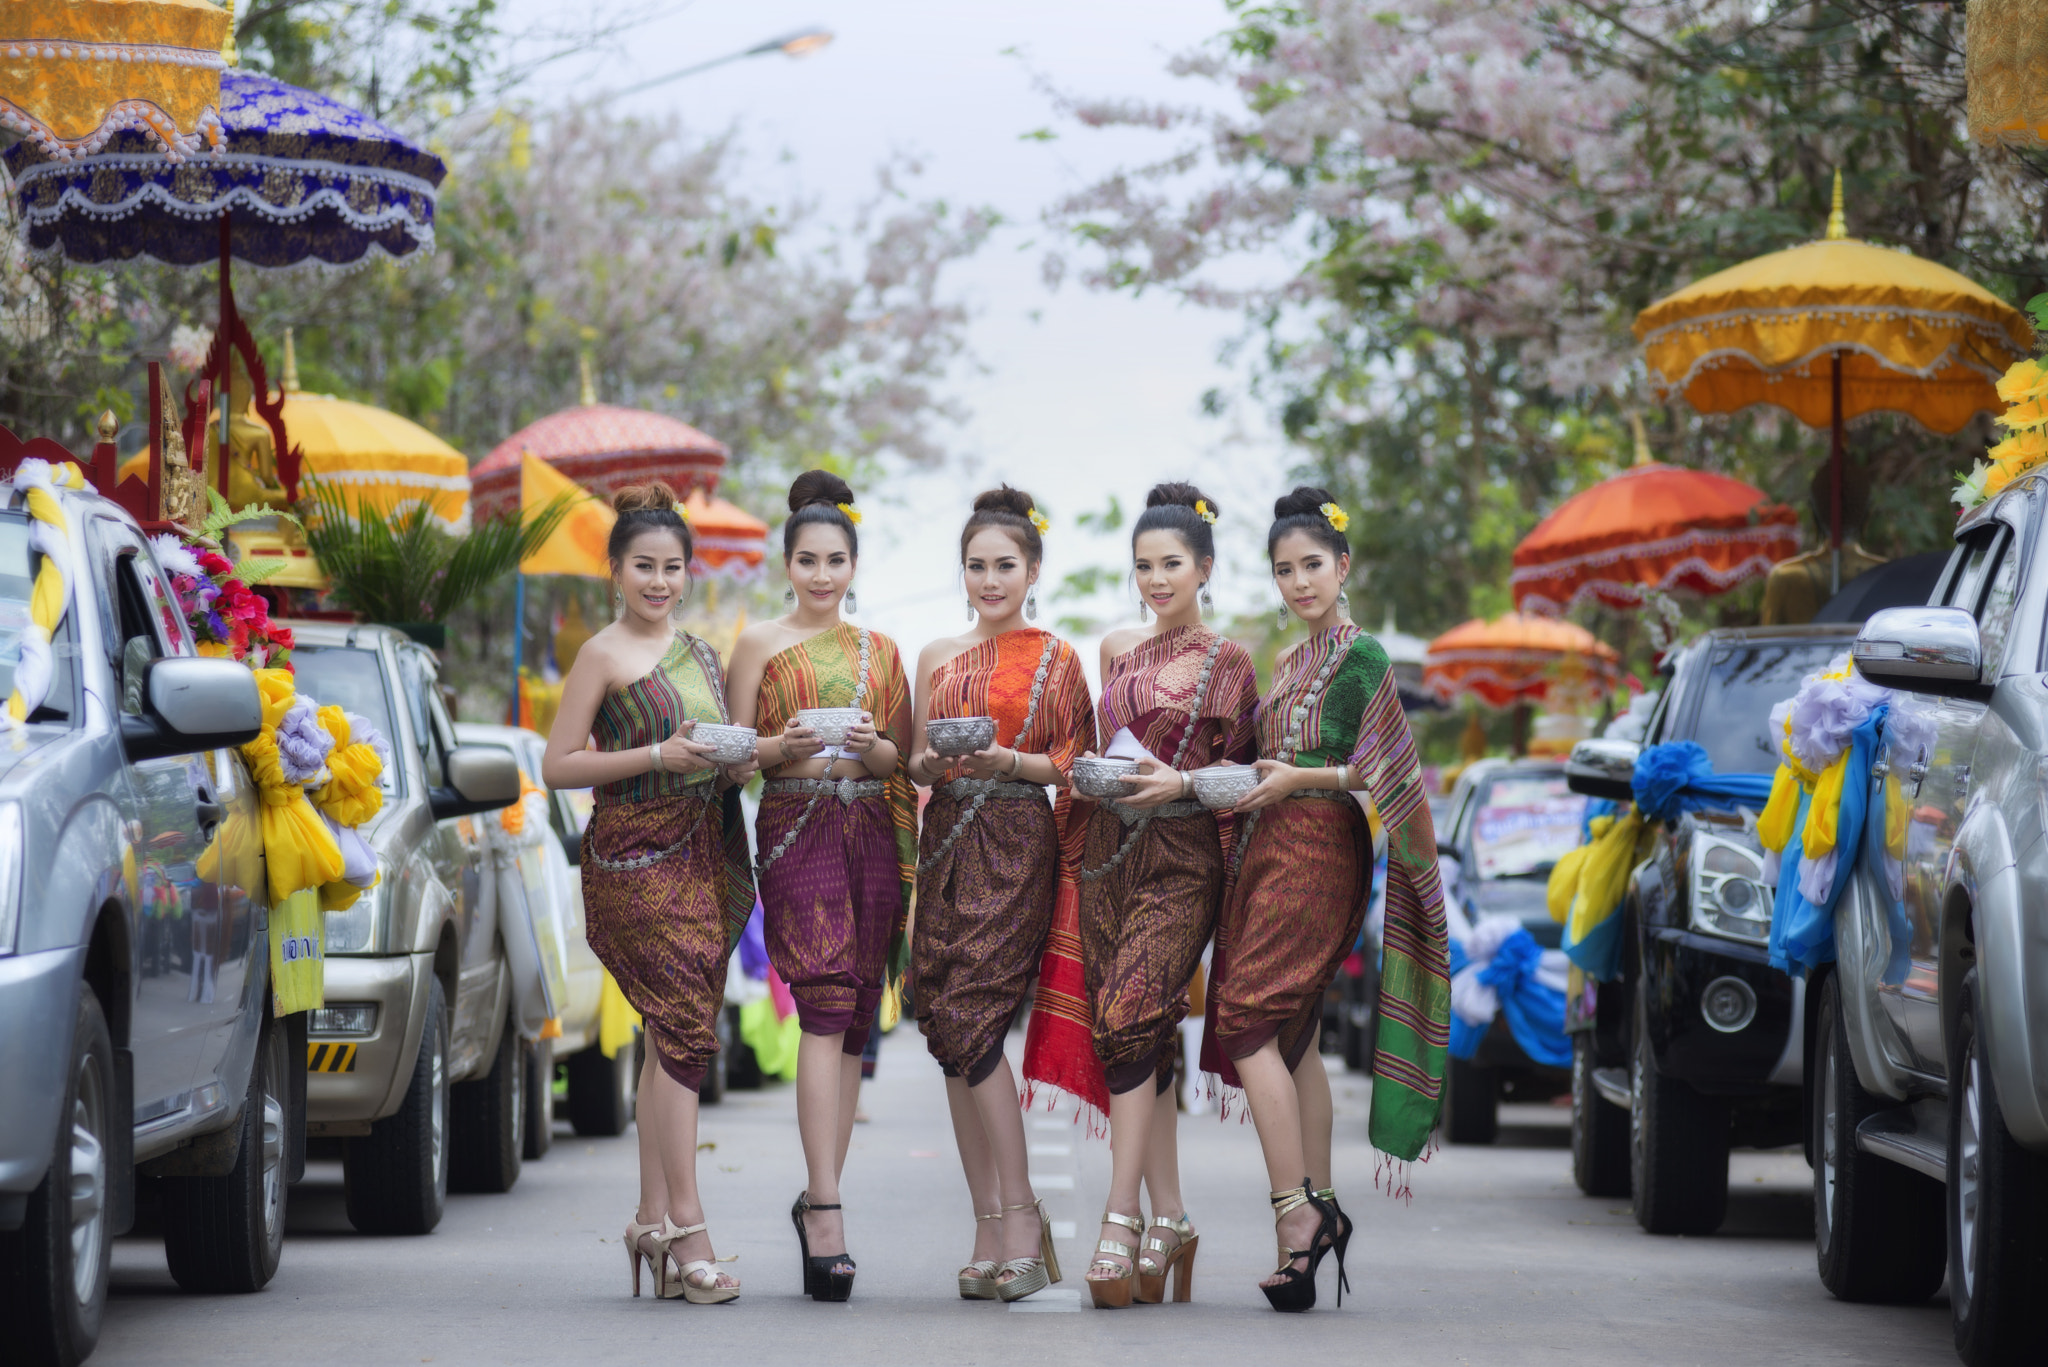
x=845, y=789
x=962, y=789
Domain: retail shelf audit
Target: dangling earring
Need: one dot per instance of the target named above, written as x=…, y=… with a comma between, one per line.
x=970, y=609
x=1143, y=615
x=618, y=600
x=1280, y=622
x=1343, y=602
x=1031, y=604
x=852, y=600
x=789, y=596
x=1208, y=603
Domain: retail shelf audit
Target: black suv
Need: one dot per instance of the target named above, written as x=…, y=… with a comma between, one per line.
x=1697, y=1046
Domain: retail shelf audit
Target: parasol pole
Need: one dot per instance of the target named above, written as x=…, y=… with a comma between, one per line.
x=1835, y=475
x=518, y=638
x=227, y=352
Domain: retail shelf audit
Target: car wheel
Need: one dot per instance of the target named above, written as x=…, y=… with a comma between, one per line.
x=1472, y=1115
x=487, y=1120
x=601, y=1091
x=1600, y=1158
x=226, y=1233
x=395, y=1179
x=1678, y=1146
x=1997, y=1244
x=1876, y=1226
x=540, y=1099
x=54, y=1269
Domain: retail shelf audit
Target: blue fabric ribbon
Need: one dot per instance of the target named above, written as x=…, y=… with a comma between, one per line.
x=1677, y=777
x=1802, y=932
x=1535, y=1013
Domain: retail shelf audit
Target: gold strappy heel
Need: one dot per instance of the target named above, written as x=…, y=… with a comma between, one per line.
x=1031, y=1274
x=1179, y=1260
x=1114, y=1292
x=978, y=1278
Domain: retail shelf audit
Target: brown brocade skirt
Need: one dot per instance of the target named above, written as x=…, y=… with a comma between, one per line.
x=982, y=915
x=660, y=930
x=1294, y=914
x=1143, y=927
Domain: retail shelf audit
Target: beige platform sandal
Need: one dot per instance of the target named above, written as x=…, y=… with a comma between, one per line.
x=1030, y=1275
x=978, y=1278
x=697, y=1280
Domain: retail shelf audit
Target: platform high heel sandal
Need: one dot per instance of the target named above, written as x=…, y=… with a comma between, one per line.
x=1030, y=1274
x=1328, y=1196
x=697, y=1280
x=822, y=1279
x=638, y=1237
x=1298, y=1292
x=1114, y=1292
x=1157, y=1260
x=978, y=1278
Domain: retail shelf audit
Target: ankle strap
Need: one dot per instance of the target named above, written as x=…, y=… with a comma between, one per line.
x=813, y=1205
x=669, y=1232
x=1132, y=1223
x=1325, y=1194
x=994, y=1215
x=1028, y=1205
x=1289, y=1201
x=1179, y=1224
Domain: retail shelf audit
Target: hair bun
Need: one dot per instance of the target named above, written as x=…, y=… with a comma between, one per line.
x=1305, y=499
x=1004, y=499
x=818, y=486
x=1178, y=496
x=654, y=496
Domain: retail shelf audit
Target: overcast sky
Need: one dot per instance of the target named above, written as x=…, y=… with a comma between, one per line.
x=1083, y=394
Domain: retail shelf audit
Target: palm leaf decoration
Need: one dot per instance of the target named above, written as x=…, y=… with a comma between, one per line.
x=407, y=569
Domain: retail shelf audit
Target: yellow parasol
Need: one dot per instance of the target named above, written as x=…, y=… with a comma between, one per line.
x=2006, y=68
x=1831, y=331
x=382, y=463
x=76, y=72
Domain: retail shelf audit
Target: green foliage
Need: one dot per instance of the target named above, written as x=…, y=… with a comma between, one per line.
x=407, y=569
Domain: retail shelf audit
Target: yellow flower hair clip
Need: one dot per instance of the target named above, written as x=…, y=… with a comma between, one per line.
x=852, y=513
x=1040, y=521
x=1202, y=511
x=1339, y=519
x=682, y=510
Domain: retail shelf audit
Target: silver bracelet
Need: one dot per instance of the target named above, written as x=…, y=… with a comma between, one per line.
x=654, y=755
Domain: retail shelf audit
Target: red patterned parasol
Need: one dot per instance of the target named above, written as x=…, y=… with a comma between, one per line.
x=1519, y=658
x=601, y=448
x=1651, y=527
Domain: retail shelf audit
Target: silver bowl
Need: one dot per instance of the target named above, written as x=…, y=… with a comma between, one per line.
x=729, y=744
x=830, y=724
x=1100, y=778
x=1224, y=785
x=956, y=736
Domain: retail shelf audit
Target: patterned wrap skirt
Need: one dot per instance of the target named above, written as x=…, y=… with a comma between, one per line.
x=982, y=915
x=828, y=907
x=660, y=930
x=1292, y=918
x=1144, y=925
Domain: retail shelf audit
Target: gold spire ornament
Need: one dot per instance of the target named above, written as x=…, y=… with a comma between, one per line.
x=1838, y=223
x=589, y=396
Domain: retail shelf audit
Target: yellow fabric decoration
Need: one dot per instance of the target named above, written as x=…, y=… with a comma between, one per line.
x=298, y=949
x=1774, y=827
x=297, y=845
x=1825, y=812
x=47, y=599
x=351, y=794
x=1587, y=884
x=1898, y=814
x=616, y=1018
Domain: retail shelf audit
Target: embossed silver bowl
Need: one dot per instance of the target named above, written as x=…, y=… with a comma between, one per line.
x=729, y=744
x=956, y=736
x=830, y=724
x=1099, y=778
x=1223, y=785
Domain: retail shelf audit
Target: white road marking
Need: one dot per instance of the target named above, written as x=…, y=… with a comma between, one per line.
x=1052, y=1181
x=1066, y=1151
x=1063, y=1229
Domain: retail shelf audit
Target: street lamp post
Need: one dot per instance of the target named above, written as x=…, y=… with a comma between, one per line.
x=801, y=43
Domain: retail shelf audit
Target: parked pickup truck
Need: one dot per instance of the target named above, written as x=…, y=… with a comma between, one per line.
x=137, y=1040
x=1929, y=1077
x=411, y=1063
x=1698, y=1045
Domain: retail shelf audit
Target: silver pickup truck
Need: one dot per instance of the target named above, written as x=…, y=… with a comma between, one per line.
x=411, y=1063
x=136, y=1032
x=1928, y=1080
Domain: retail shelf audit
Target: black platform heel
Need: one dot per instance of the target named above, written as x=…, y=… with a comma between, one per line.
x=1298, y=1292
x=1328, y=1196
x=822, y=1279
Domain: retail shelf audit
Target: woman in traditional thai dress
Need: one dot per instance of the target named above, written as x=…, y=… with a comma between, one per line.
x=1336, y=761
x=667, y=885
x=1176, y=696
x=989, y=865
x=836, y=836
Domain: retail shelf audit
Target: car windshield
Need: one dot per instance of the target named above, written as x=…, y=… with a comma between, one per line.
x=17, y=581
x=1742, y=684
x=1523, y=824
x=352, y=678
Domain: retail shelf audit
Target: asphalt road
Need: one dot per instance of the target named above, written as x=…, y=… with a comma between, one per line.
x=1497, y=1260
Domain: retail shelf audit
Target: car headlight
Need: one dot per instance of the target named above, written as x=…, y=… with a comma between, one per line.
x=354, y=930
x=10, y=874
x=1729, y=895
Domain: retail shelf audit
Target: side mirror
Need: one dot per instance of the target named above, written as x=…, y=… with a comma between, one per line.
x=1603, y=768
x=189, y=705
x=1922, y=650
x=481, y=778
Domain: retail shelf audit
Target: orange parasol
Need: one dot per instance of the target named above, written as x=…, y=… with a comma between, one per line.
x=1652, y=526
x=1518, y=658
x=731, y=542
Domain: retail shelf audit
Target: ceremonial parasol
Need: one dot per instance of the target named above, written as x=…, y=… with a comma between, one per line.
x=301, y=181
x=1652, y=526
x=1832, y=331
x=76, y=73
x=2006, y=70
x=1519, y=658
x=731, y=542
x=602, y=448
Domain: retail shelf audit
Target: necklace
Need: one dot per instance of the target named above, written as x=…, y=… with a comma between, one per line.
x=860, y=693
x=1186, y=739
